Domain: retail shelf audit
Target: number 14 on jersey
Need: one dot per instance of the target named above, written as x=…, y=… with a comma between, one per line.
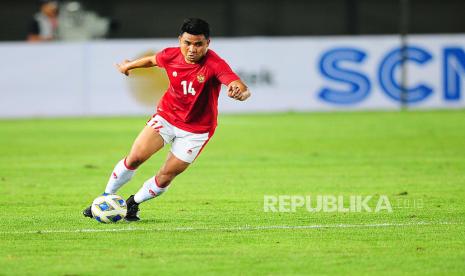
x=187, y=88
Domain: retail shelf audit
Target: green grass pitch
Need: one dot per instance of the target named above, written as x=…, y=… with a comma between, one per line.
x=212, y=219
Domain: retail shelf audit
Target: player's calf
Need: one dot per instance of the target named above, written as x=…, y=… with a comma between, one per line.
x=135, y=160
x=121, y=174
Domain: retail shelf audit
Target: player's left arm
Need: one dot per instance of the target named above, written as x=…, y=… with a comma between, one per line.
x=238, y=90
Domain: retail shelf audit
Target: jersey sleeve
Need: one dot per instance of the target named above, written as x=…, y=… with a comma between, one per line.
x=161, y=58
x=224, y=73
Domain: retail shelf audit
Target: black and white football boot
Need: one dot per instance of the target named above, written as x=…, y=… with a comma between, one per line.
x=87, y=212
x=133, y=209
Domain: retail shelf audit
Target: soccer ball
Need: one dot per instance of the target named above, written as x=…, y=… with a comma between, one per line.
x=109, y=208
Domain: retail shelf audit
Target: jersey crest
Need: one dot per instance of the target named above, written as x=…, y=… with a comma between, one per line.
x=200, y=78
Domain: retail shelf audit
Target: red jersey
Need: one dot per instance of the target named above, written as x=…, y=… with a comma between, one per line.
x=191, y=101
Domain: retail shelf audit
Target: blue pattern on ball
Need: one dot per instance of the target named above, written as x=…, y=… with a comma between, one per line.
x=103, y=206
x=116, y=218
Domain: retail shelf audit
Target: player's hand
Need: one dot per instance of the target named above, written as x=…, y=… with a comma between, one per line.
x=123, y=67
x=234, y=91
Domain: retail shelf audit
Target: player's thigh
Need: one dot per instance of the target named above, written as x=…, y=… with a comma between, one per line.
x=146, y=144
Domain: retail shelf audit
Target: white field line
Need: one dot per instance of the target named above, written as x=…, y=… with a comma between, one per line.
x=236, y=228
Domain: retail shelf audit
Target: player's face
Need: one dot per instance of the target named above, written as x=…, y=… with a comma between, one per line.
x=193, y=47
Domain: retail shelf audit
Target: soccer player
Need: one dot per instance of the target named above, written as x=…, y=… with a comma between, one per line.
x=186, y=115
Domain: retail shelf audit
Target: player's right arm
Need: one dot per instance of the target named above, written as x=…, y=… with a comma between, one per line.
x=143, y=62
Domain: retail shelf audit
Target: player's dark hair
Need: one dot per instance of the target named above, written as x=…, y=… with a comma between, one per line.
x=195, y=26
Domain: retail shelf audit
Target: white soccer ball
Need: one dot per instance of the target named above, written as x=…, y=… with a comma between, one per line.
x=109, y=208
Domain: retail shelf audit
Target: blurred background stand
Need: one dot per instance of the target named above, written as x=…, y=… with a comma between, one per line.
x=78, y=24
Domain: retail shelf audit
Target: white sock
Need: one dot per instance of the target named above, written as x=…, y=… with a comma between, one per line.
x=121, y=175
x=148, y=191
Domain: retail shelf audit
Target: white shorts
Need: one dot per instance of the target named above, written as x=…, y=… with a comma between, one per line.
x=184, y=145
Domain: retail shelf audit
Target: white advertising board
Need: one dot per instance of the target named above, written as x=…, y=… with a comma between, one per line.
x=284, y=74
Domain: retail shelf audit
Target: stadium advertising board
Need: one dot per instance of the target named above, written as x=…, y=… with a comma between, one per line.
x=284, y=74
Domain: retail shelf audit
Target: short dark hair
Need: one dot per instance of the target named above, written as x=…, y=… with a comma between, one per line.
x=195, y=26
